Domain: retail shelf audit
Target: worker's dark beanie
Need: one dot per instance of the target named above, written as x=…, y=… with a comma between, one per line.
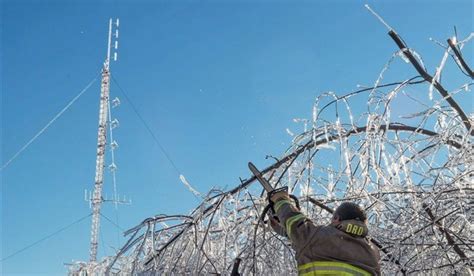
x=349, y=210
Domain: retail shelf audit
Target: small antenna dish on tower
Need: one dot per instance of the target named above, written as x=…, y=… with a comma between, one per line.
x=115, y=123
x=114, y=144
x=115, y=102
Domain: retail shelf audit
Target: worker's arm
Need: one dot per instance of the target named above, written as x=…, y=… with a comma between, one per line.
x=296, y=225
x=277, y=228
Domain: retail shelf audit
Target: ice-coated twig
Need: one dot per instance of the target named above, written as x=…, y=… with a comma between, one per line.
x=378, y=17
x=459, y=57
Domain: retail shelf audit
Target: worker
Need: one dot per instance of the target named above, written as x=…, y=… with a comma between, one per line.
x=340, y=248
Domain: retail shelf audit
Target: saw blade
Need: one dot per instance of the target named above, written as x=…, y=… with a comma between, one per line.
x=266, y=185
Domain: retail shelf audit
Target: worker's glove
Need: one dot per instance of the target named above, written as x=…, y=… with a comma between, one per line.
x=282, y=194
x=274, y=196
x=278, y=194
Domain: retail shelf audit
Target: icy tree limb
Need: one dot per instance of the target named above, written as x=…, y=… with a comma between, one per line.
x=460, y=58
x=449, y=238
x=429, y=79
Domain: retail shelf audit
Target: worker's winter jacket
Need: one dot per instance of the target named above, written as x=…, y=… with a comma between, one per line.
x=336, y=249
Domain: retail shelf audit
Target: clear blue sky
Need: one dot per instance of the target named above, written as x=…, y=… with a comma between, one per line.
x=218, y=82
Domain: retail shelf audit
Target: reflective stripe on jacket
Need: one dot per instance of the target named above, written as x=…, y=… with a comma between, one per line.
x=331, y=268
x=336, y=249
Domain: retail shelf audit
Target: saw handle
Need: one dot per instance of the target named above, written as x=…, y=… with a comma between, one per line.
x=271, y=193
x=283, y=189
x=297, y=202
x=269, y=207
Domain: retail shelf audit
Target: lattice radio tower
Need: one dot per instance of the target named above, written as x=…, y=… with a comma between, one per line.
x=96, y=198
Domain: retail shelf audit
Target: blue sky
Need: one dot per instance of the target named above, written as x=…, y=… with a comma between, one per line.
x=218, y=82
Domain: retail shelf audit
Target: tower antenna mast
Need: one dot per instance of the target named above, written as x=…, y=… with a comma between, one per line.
x=97, y=198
